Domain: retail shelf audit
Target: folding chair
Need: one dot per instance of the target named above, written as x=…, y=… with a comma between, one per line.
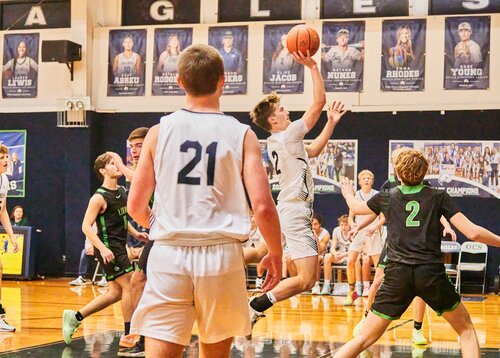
x=451, y=247
x=97, y=272
x=468, y=252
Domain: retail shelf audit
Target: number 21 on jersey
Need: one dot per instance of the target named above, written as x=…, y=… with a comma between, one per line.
x=211, y=150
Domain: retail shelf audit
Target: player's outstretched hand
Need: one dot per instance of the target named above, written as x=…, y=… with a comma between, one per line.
x=305, y=60
x=107, y=255
x=116, y=158
x=335, y=111
x=451, y=232
x=352, y=233
x=347, y=187
x=273, y=265
x=15, y=246
x=142, y=236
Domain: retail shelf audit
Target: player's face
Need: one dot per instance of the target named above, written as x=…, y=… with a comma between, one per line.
x=366, y=182
x=344, y=226
x=112, y=170
x=281, y=115
x=135, y=149
x=21, y=49
x=128, y=44
x=342, y=40
x=404, y=35
x=4, y=161
x=18, y=214
x=228, y=42
x=316, y=226
x=464, y=34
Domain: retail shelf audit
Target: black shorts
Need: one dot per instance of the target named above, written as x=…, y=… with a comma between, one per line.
x=383, y=259
x=403, y=282
x=142, y=265
x=120, y=265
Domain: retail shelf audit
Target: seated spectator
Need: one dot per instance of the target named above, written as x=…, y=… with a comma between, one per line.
x=323, y=238
x=337, y=254
x=18, y=217
x=86, y=254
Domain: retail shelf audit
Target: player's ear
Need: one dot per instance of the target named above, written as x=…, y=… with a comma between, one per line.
x=222, y=81
x=179, y=82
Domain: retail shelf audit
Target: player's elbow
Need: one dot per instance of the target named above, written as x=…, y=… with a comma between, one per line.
x=474, y=234
x=264, y=209
x=320, y=101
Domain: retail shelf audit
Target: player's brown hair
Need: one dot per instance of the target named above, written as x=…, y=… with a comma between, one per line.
x=411, y=167
x=264, y=109
x=100, y=163
x=343, y=218
x=4, y=149
x=138, y=133
x=200, y=69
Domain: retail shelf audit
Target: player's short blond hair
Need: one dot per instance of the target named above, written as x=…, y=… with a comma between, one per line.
x=200, y=69
x=264, y=109
x=138, y=133
x=365, y=172
x=411, y=167
x=343, y=218
x=100, y=163
x=4, y=149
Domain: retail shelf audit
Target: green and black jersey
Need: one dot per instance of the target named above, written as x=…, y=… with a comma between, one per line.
x=393, y=182
x=412, y=217
x=112, y=224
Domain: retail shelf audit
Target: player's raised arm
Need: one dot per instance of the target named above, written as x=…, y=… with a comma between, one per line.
x=312, y=113
x=474, y=232
x=356, y=206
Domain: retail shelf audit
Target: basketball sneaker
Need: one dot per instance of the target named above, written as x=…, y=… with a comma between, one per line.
x=351, y=297
x=136, y=351
x=418, y=352
x=4, y=326
x=326, y=289
x=79, y=281
x=69, y=325
x=316, y=289
x=129, y=340
x=418, y=337
x=102, y=282
x=365, y=292
x=254, y=316
x=258, y=283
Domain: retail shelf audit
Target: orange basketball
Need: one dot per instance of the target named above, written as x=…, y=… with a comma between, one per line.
x=302, y=38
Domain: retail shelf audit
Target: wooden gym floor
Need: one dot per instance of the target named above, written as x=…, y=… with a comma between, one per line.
x=304, y=326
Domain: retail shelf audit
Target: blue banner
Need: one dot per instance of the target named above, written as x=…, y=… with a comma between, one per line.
x=127, y=56
x=20, y=66
x=232, y=43
x=281, y=73
x=467, y=52
x=168, y=46
x=403, y=55
x=15, y=140
x=342, y=56
x=462, y=168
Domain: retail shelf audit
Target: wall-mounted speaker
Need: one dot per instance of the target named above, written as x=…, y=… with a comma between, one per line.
x=62, y=51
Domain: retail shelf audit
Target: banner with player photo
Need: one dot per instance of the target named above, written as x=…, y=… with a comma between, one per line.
x=15, y=141
x=338, y=159
x=281, y=73
x=167, y=48
x=467, y=52
x=127, y=57
x=463, y=168
x=342, y=56
x=403, y=55
x=232, y=43
x=20, y=66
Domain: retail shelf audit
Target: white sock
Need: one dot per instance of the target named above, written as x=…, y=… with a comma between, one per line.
x=366, y=284
x=271, y=297
x=327, y=282
x=317, y=283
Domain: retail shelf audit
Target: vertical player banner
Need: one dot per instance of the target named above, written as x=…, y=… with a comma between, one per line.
x=15, y=140
x=403, y=55
x=20, y=66
x=167, y=48
x=467, y=52
x=342, y=56
x=463, y=168
x=338, y=159
x=232, y=43
x=127, y=56
x=281, y=73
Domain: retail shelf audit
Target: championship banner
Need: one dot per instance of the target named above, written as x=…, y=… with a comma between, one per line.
x=334, y=9
x=20, y=66
x=403, y=55
x=281, y=73
x=232, y=43
x=127, y=56
x=12, y=262
x=462, y=168
x=338, y=159
x=15, y=141
x=342, y=56
x=467, y=52
x=167, y=48
x=451, y=7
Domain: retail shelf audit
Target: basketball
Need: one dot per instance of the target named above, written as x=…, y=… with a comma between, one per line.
x=302, y=38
